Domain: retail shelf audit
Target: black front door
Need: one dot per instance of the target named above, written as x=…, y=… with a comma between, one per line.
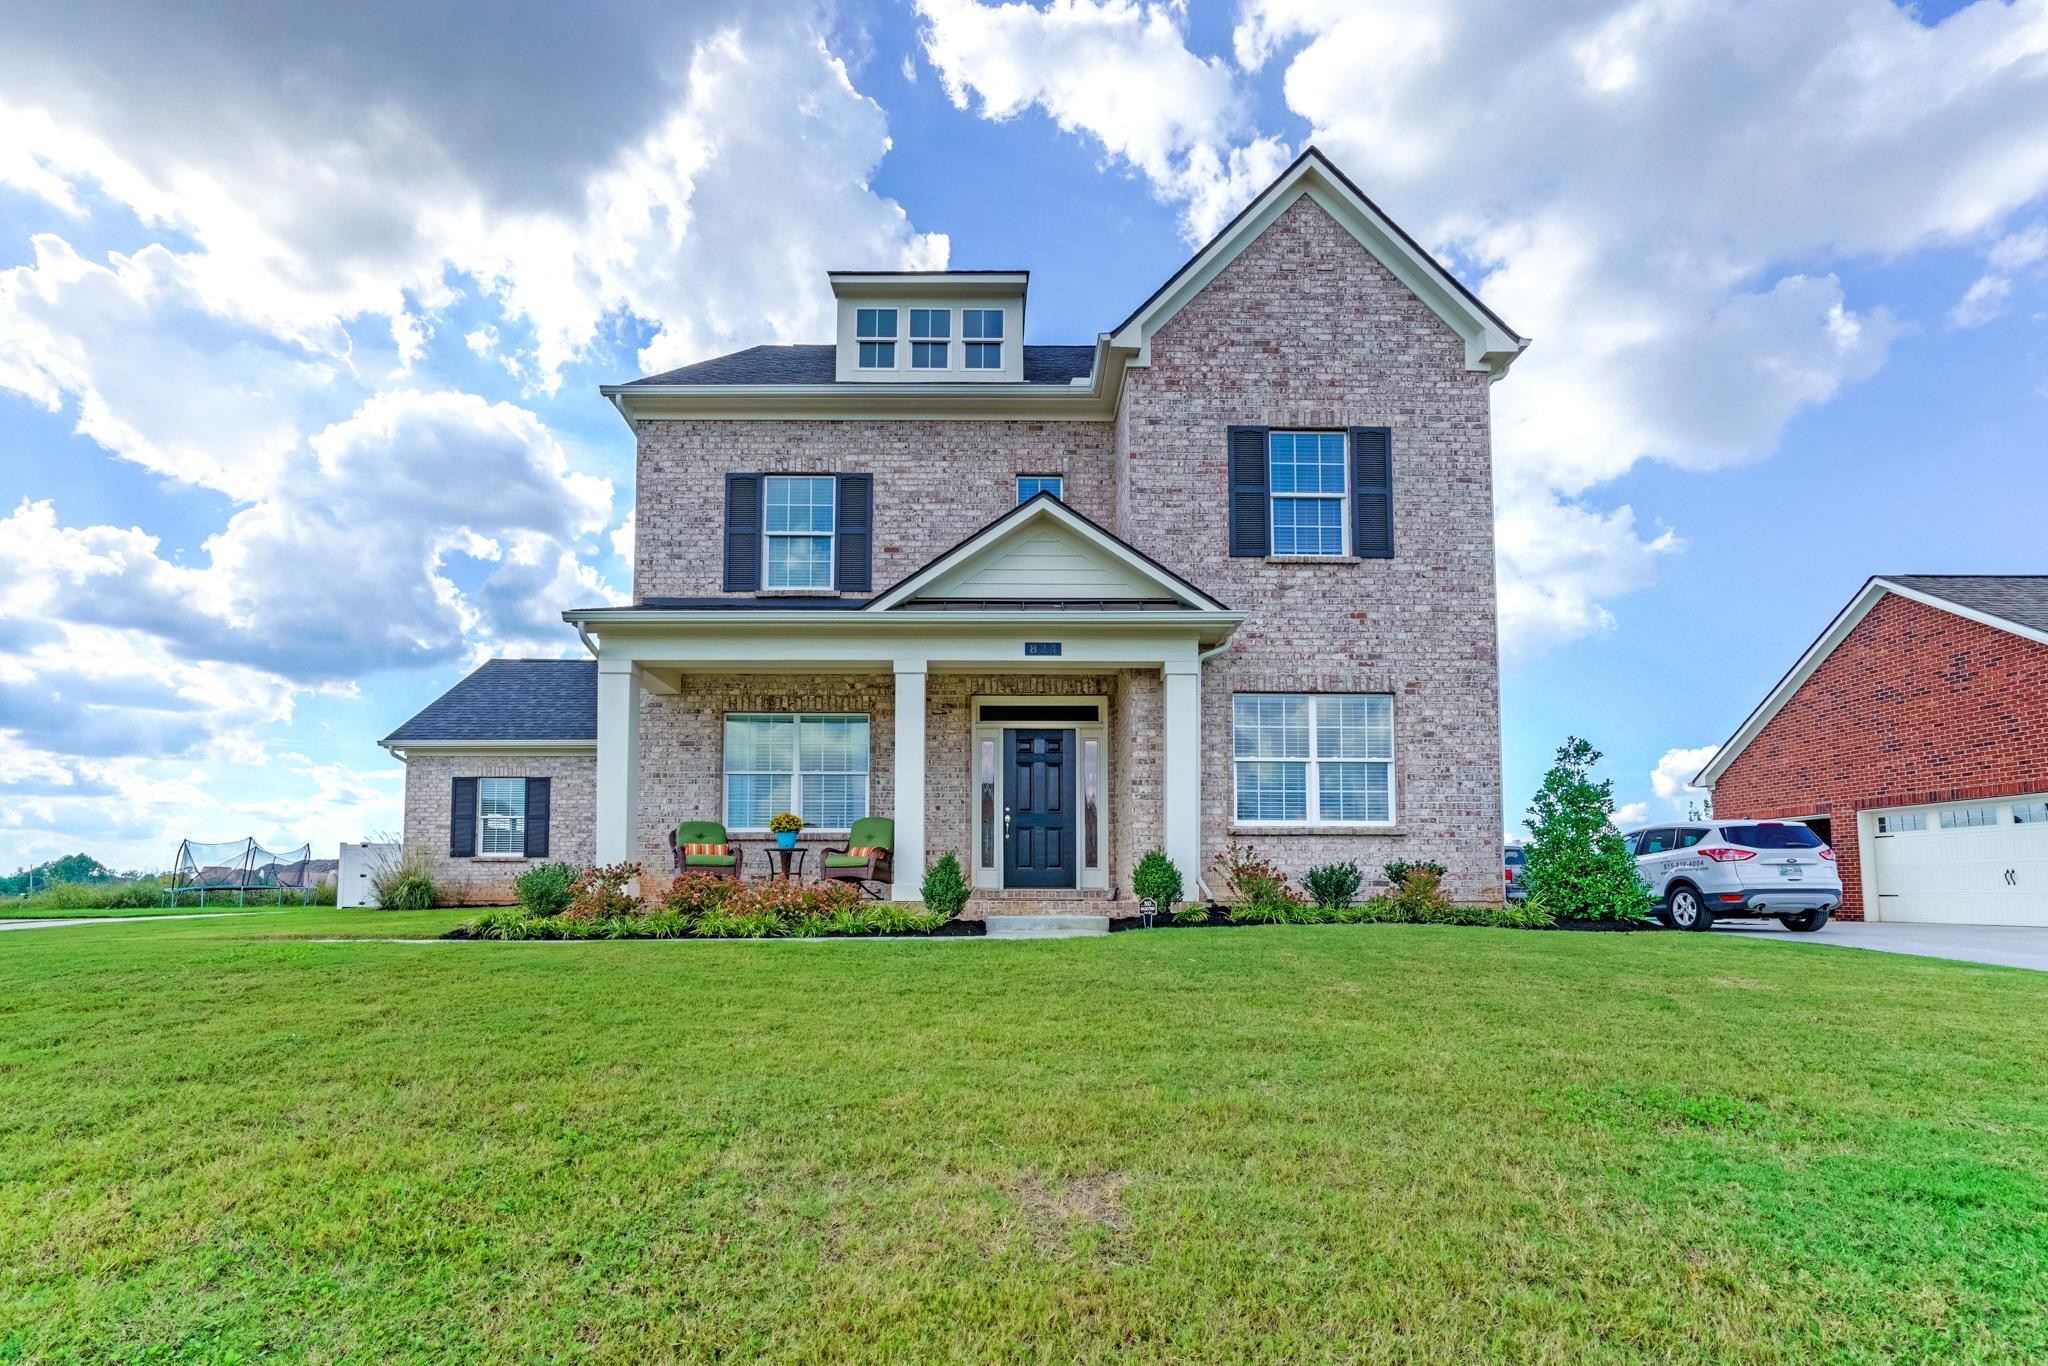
x=1038, y=808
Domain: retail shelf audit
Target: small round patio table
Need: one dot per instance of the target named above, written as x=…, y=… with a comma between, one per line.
x=784, y=863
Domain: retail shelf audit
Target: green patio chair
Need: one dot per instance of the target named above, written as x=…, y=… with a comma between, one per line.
x=865, y=860
x=702, y=833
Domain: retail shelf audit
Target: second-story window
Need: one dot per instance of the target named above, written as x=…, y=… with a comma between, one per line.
x=797, y=524
x=1308, y=493
x=875, y=330
x=981, y=331
x=930, y=329
x=1031, y=485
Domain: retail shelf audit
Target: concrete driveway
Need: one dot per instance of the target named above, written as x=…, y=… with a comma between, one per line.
x=2009, y=946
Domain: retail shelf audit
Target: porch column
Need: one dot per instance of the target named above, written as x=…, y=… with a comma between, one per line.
x=908, y=857
x=618, y=761
x=1183, y=718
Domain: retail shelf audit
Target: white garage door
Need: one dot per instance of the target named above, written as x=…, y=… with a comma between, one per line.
x=1964, y=863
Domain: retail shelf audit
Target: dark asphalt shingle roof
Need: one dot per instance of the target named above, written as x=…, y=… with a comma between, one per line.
x=512, y=699
x=2021, y=598
x=817, y=365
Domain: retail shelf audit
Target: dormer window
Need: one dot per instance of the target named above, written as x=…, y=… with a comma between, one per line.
x=875, y=329
x=982, y=332
x=930, y=329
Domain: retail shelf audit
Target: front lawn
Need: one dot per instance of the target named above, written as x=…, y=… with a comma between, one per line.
x=220, y=1141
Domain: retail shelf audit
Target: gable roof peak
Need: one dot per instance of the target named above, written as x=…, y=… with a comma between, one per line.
x=1490, y=344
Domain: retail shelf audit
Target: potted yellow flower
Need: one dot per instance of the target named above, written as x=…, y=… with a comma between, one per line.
x=784, y=825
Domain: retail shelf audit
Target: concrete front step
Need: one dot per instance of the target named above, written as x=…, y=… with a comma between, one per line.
x=1057, y=926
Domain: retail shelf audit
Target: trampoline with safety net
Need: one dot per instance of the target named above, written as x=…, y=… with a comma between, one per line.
x=238, y=868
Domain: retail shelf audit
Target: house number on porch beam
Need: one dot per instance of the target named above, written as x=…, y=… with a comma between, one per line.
x=1041, y=647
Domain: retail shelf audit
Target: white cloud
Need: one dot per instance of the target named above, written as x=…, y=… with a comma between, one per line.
x=1988, y=293
x=1628, y=814
x=1120, y=72
x=1671, y=780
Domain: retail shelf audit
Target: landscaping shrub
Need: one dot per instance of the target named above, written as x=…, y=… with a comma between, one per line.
x=1332, y=886
x=1397, y=872
x=945, y=887
x=1193, y=913
x=1156, y=879
x=1576, y=866
x=404, y=884
x=1256, y=889
x=600, y=893
x=545, y=888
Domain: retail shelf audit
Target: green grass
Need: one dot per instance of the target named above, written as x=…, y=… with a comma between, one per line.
x=220, y=1142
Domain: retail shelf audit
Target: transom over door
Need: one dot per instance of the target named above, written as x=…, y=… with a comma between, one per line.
x=1038, y=808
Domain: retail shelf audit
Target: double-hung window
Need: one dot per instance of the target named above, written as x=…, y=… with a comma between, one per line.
x=1031, y=485
x=1314, y=758
x=797, y=526
x=874, y=330
x=982, y=333
x=929, y=330
x=501, y=817
x=1310, y=493
x=813, y=764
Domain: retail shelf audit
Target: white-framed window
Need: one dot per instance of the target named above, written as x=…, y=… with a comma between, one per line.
x=501, y=817
x=1313, y=758
x=2030, y=813
x=930, y=329
x=1031, y=485
x=813, y=764
x=981, y=330
x=1308, y=479
x=1893, y=824
x=1968, y=817
x=797, y=525
x=874, y=330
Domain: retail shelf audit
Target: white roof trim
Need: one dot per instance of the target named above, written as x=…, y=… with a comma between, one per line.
x=1042, y=509
x=1816, y=654
x=1490, y=344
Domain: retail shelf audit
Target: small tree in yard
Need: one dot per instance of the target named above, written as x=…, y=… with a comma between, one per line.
x=1577, y=867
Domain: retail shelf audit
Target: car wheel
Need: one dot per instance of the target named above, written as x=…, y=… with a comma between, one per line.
x=1806, y=922
x=1686, y=911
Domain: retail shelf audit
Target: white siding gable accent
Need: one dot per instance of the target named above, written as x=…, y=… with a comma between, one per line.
x=1048, y=562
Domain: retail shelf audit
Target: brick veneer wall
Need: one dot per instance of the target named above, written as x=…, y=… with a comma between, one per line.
x=1306, y=328
x=935, y=483
x=1916, y=705
x=429, y=798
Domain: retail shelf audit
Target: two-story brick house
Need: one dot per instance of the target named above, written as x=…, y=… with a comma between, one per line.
x=1224, y=576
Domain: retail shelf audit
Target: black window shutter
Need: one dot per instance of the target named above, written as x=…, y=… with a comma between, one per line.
x=1372, y=493
x=1250, y=520
x=742, y=533
x=462, y=820
x=856, y=540
x=537, y=793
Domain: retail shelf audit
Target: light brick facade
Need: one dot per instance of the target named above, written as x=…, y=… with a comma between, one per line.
x=429, y=799
x=1916, y=705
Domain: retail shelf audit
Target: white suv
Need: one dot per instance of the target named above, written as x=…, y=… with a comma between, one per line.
x=1700, y=872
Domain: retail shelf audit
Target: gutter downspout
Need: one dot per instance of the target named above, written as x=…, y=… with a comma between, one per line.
x=583, y=634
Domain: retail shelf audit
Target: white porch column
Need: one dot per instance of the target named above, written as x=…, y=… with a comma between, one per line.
x=1184, y=769
x=908, y=858
x=618, y=761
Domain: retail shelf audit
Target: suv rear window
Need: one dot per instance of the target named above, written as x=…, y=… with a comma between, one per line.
x=1514, y=858
x=1777, y=836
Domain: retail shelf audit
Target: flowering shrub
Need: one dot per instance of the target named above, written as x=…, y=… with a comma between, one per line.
x=600, y=893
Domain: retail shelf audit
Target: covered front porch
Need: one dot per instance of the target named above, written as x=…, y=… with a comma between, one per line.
x=1037, y=776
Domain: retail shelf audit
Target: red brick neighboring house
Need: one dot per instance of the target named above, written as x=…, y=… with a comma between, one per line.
x=1914, y=736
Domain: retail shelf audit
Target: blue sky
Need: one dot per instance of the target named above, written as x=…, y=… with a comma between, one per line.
x=301, y=324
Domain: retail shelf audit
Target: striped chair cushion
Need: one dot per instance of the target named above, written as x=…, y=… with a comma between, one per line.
x=864, y=850
x=689, y=849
